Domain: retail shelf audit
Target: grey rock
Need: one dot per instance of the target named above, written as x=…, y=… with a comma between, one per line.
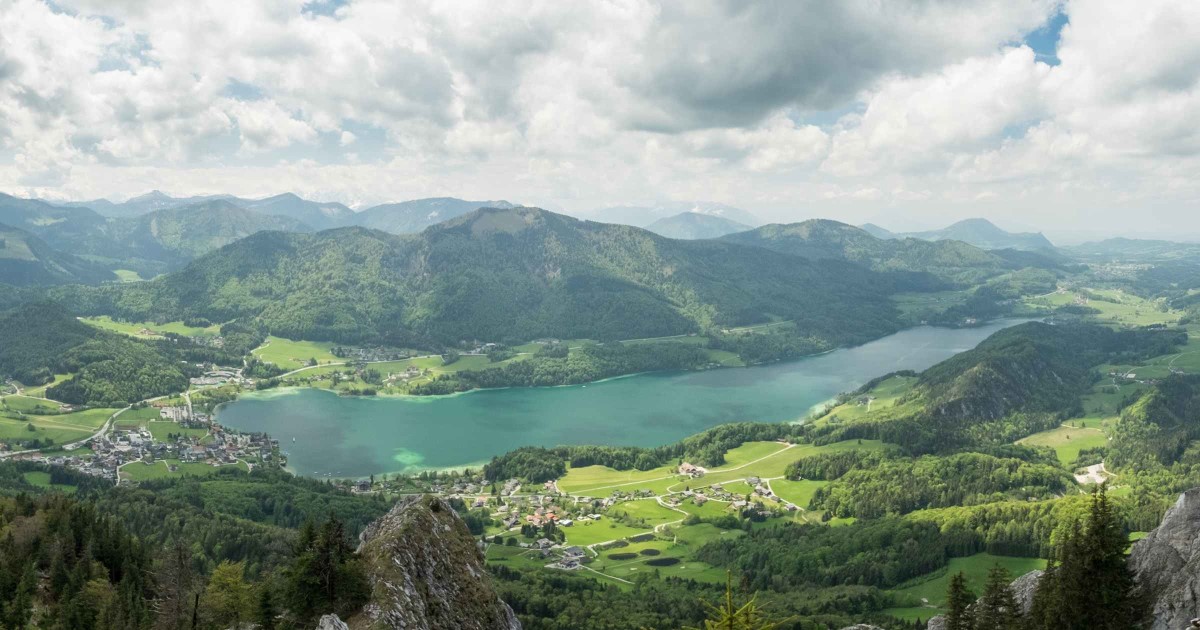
x=331, y=622
x=862, y=626
x=426, y=572
x=1167, y=563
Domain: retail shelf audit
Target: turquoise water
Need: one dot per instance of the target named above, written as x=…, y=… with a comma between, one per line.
x=329, y=435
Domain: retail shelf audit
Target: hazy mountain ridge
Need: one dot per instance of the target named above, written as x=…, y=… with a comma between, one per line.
x=978, y=232
x=819, y=239
x=408, y=217
x=693, y=226
x=642, y=216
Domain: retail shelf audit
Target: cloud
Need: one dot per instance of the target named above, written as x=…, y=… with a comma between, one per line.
x=834, y=107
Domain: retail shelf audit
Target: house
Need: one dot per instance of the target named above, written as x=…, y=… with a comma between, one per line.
x=543, y=543
x=566, y=522
x=573, y=552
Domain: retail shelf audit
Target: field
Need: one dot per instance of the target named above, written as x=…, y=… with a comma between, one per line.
x=1116, y=307
x=668, y=558
x=42, y=480
x=140, y=471
x=161, y=429
x=40, y=390
x=592, y=532
x=797, y=492
x=29, y=404
x=58, y=428
x=290, y=355
x=1067, y=441
x=150, y=330
x=881, y=403
x=932, y=588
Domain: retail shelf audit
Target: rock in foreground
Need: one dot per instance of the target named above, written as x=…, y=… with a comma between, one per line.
x=426, y=572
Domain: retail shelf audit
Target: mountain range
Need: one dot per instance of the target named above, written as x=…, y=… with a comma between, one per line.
x=507, y=274
x=693, y=226
x=978, y=232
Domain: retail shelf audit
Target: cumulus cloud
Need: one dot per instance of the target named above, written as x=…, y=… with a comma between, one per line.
x=845, y=109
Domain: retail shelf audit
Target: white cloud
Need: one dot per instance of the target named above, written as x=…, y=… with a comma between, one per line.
x=574, y=105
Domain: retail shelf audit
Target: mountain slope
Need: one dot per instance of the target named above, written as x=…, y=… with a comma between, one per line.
x=410, y=217
x=60, y=227
x=185, y=232
x=26, y=260
x=509, y=274
x=984, y=234
x=818, y=239
x=312, y=213
x=693, y=225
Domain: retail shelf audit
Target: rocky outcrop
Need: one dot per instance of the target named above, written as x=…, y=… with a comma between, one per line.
x=862, y=626
x=1167, y=563
x=426, y=573
x=331, y=622
x=1023, y=589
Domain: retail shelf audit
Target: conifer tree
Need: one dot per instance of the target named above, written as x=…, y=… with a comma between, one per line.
x=997, y=609
x=958, y=602
x=1088, y=585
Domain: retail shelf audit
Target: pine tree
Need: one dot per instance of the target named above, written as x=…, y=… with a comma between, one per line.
x=998, y=608
x=1088, y=585
x=729, y=616
x=266, y=609
x=958, y=602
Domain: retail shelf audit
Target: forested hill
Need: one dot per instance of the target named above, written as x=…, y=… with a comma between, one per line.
x=26, y=260
x=817, y=239
x=1019, y=381
x=507, y=274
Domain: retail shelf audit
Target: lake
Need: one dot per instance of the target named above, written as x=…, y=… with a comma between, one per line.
x=329, y=435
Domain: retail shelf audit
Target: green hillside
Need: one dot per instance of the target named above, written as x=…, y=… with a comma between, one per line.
x=26, y=260
x=507, y=275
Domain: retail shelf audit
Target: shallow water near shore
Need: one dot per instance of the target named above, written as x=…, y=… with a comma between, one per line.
x=326, y=435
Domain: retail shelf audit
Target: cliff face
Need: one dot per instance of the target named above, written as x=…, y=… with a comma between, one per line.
x=426, y=572
x=1167, y=562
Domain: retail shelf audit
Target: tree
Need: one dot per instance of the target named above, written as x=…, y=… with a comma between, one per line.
x=1088, y=585
x=176, y=588
x=998, y=608
x=227, y=600
x=266, y=609
x=729, y=616
x=958, y=602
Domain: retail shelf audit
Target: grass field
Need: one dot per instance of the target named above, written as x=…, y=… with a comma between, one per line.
x=886, y=395
x=672, y=557
x=1067, y=441
x=150, y=330
x=28, y=404
x=139, y=471
x=1116, y=307
x=975, y=568
x=127, y=275
x=161, y=428
x=798, y=492
x=42, y=480
x=289, y=354
x=646, y=511
x=591, y=532
x=40, y=390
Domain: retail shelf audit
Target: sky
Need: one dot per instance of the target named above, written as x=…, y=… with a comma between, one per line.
x=1077, y=118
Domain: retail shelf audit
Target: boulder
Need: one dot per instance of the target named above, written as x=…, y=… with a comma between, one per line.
x=331, y=622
